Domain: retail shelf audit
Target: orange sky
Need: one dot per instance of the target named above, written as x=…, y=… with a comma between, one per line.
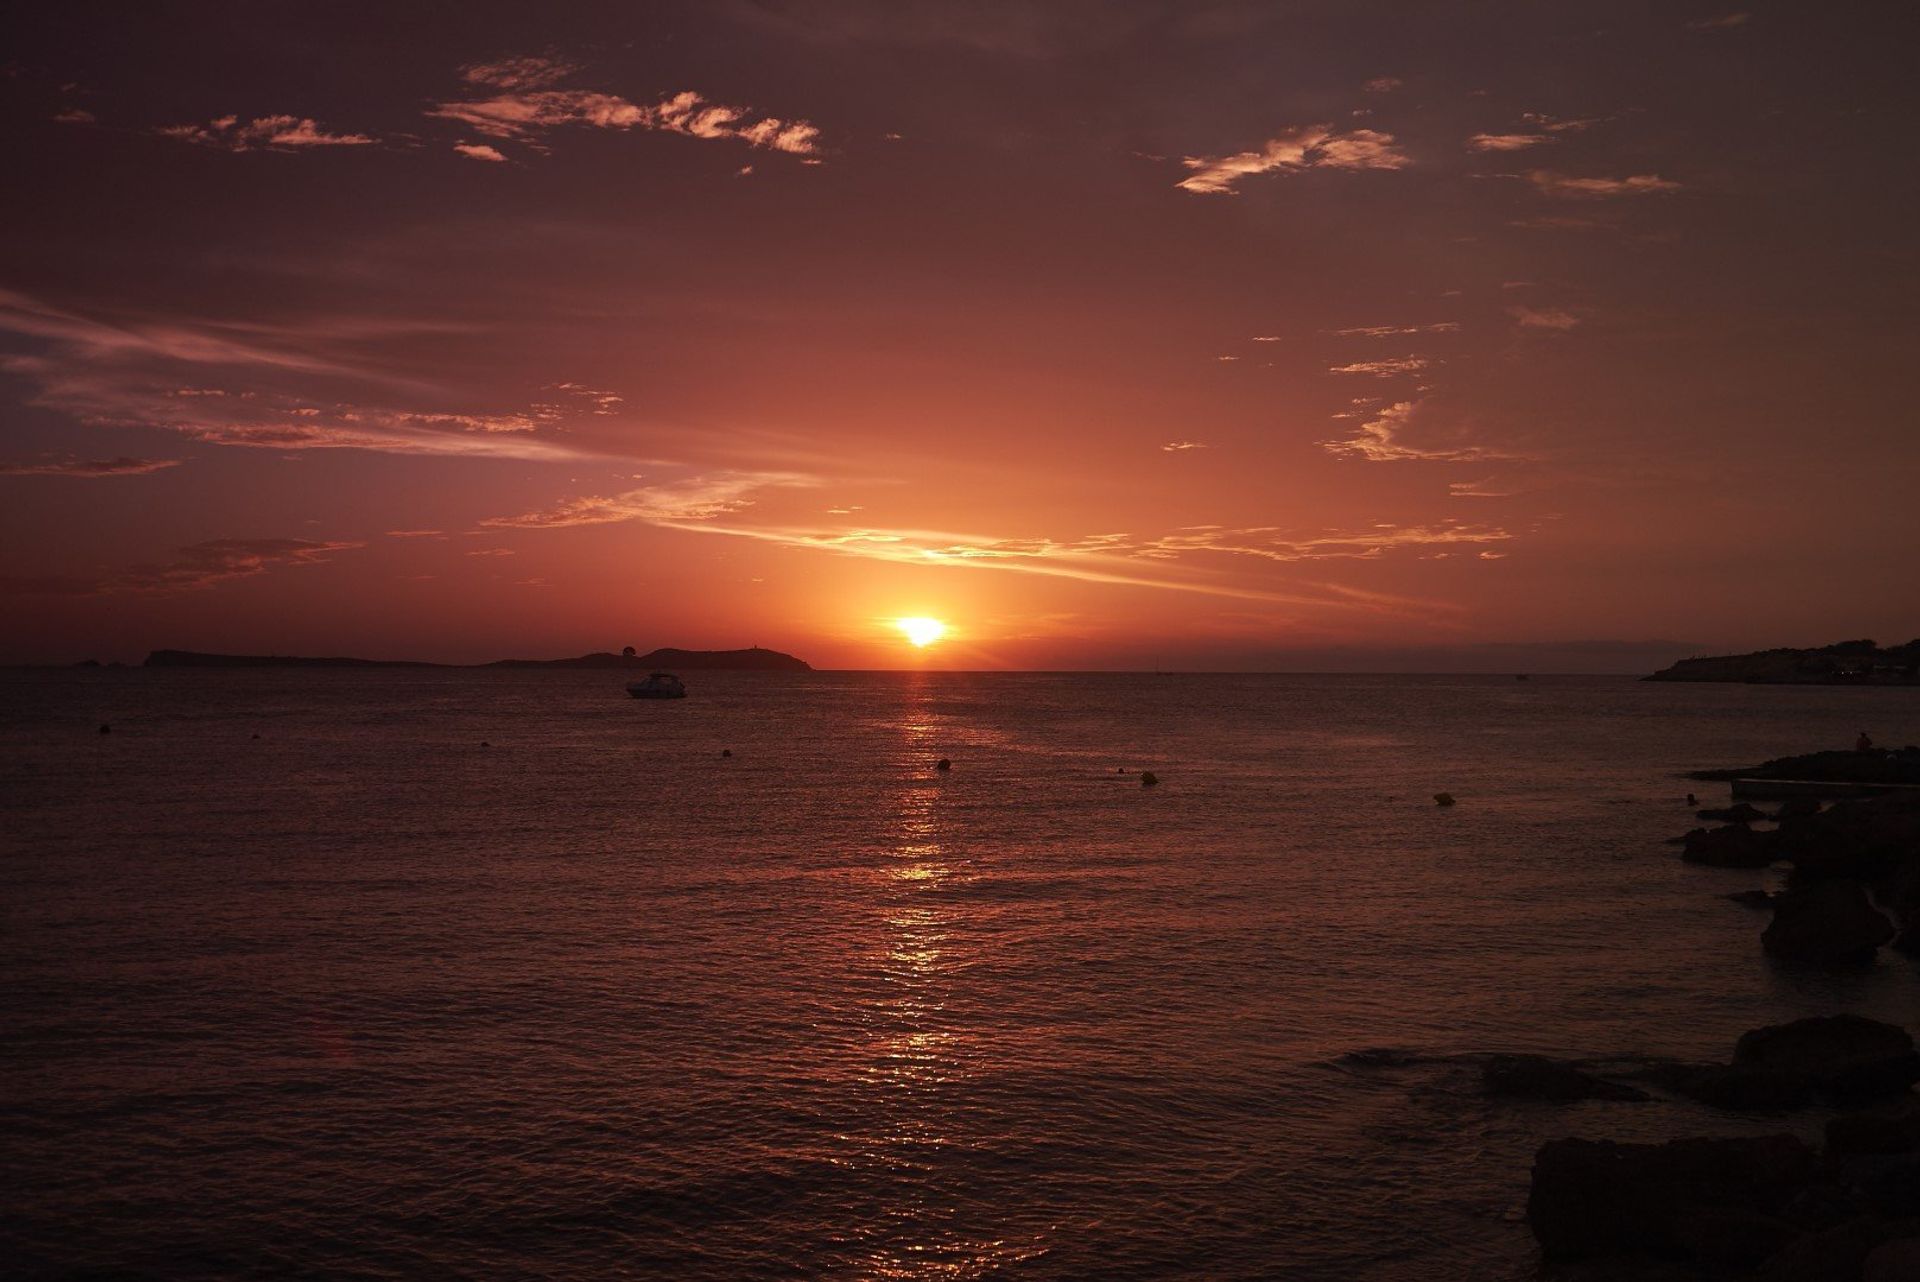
x=1202, y=335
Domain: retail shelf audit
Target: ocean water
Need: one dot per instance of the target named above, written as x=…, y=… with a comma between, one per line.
x=501, y=974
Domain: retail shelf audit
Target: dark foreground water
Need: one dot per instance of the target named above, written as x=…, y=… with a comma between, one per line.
x=362, y=997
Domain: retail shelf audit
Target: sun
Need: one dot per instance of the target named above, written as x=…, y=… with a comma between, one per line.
x=922, y=632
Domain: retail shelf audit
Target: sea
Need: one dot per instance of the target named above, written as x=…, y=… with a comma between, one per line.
x=480, y=974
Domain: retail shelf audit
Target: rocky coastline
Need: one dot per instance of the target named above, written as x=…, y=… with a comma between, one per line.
x=1771, y=1207
x=1843, y=663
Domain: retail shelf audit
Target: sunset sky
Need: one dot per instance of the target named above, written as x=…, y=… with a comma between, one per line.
x=1223, y=335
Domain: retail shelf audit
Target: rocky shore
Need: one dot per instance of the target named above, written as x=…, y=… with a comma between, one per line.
x=1771, y=1207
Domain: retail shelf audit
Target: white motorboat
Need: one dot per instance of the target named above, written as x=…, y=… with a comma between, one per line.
x=659, y=685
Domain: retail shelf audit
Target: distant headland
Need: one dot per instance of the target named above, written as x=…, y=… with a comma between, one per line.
x=1843, y=663
x=754, y=659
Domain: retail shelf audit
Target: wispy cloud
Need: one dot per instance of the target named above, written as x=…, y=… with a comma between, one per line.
x=1505, y=142
x=1385, y=331
x=1117, y=559
x=1389, y=367
x=480, y=151
x=689, y=500
x=1275, y=544
x=1383, y=84
x=1724, y=22
x=120, y=466
x=531, y=72
x=1176, y=562
x=1295, y=151
x=154, y=372
x=528, y=104
x=1565, y=186
x=1178, y=446
x=1406, y=431
x=269, y=133
x=193, y=568
x=1551, y=318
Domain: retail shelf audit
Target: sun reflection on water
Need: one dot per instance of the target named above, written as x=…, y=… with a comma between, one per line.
x=923, y=1053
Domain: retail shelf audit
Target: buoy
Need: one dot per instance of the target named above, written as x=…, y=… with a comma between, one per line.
x=1691, y=801
x=256, y=736
x=485, y=744
x=1443, y=799
x=1148, y=778
x=943, y=764
x=726, y=752
x=105, y=728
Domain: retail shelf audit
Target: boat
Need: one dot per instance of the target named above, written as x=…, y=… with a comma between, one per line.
x=658, y=685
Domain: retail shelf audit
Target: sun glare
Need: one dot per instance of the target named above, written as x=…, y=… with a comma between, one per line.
x=922, y=632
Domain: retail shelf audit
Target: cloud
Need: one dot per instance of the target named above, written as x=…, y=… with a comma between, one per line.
x=1560, y=125
x=602, y=403
x=1295, y=151
x=121, y=466
x=1368, y=543
x=1505, y=142
x=1407, y=431
x=1105, y=558
x=272, y=133
x=1552, y=318
x=1391, y=367
x=1177, y=446
x=528, y=106
x=140, y=370
x=193, y=568
x=479, y=151
x=1383, y=331
x=1384, y=84
x=691, y=500
x=76, y=116
x=535, y=72
x=1561, y=185
x=1724, y=22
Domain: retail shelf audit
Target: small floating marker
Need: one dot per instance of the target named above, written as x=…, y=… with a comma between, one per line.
x=1691, y=801
x=726, y=752
x=1148, y=778
x=105, y=728
x=943, y=764
x=485, y=744
x=256, y=734
x=1443, y=799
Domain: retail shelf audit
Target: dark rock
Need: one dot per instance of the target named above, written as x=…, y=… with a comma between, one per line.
x=1895, y=1261
x=1829, y=923
x=1838, y=1254
x=1537, y=1077
x=1797, y=808
x=1741, y=813
x=1846, y=1057
x=1862, y=838
x=1735, y=846
x=1751, y=898
x=1596, y=1197
x=1740, y=1088
x=1882, y=1132
x=1731, y=1237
